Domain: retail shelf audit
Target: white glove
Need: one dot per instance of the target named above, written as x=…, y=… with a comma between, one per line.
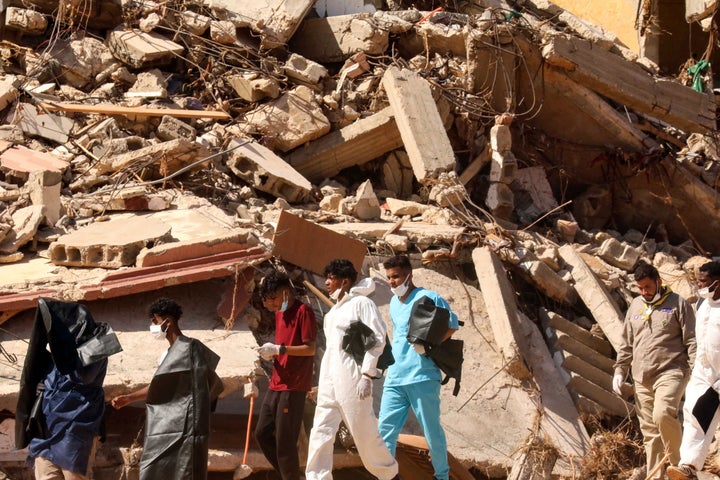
x=716, y=386
x=419, y=348
x=617, y=382
x=268, y=351
x=364, y=387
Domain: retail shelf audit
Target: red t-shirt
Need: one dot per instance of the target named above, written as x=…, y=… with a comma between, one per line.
x=294, y=326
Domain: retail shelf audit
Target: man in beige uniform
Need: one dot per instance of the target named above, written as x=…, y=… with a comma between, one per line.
x=659, y=346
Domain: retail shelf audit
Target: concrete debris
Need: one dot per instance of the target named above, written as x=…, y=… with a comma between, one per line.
x=531, y=153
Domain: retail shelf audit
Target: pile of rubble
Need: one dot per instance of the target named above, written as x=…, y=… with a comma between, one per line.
x=525, y=151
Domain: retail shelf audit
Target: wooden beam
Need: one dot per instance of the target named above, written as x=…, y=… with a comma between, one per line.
x=105, y=109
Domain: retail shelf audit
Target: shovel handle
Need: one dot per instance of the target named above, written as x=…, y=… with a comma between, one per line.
x=249, y=428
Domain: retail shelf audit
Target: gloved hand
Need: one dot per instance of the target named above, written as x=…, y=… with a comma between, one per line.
x=268, y=351
x=364, y=387
x=419, y=348
x=617, y=382
x=716, y=386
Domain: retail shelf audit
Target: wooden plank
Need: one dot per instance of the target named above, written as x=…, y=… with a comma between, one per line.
x=311, y=246
x=356, y=144
x=106, y=109
x=558, y=322
x=419, y=122
x=476, y=165
x=628, y=83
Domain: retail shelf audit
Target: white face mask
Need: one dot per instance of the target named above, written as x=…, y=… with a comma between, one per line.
x=157, y=331
x=335, y=294
x=284, y=305
x=708, y=292
x=402, y=289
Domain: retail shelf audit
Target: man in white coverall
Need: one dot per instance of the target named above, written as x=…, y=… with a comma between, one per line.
x=700, y=413
x=344, y=387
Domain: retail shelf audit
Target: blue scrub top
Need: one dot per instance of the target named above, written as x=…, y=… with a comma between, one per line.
x=411, y=367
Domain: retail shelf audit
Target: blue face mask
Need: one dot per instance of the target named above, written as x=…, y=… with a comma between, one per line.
x=284, y=305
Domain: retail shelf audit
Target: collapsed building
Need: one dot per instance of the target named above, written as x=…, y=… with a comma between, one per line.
x=524, y=158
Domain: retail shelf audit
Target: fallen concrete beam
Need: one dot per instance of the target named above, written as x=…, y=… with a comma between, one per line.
x=607, y=400
x=167, y=157
x=549, y=282
x=588, y=371
x=267, y=172
x=356, y=144
x=554, y=320
x=134, y=111
x=593, y=293
x=419, y=122
x=421, y=233
x=568, y=344
x=499, y=296
x=631, y=85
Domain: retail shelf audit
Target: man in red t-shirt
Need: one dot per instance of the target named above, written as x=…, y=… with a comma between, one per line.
x=293, y=352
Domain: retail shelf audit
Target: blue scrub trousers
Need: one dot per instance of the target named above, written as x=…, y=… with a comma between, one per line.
x=424, y=398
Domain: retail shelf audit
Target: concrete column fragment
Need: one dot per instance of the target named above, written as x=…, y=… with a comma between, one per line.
x=267, y=172
x=499, y=296
x=549, y=282
x=335, y=39
x=419, y=122
x=500, y=200
x=500, y=138
x=44, y=186
x=503, y=167
x=558, y=322
x=619, y=254
x=593, y=293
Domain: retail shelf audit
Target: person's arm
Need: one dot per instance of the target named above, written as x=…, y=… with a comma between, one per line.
x=122, y=400
x=305, y=350
x=625, y=351
x=687, y=322
x=370, y=315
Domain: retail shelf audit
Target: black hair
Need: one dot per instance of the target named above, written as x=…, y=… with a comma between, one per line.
x=341, y=268
x=273, y=282
x=645, y=270
x=165, y=307
x=712, y=269
x=398, y=261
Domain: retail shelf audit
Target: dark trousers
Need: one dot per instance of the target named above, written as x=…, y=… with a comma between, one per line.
x=278, y=428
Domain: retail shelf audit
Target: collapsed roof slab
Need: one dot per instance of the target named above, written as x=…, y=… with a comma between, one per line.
x=629, y=84
x=419, y=122
x=356, y=144
x=417, y=232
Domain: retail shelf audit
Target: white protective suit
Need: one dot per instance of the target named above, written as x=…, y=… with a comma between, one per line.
x=705, y=374
x=337, y=395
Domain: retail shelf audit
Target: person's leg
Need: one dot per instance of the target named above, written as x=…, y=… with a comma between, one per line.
x=695, y=442
x=360, y=419
x=265, y=428
x=425, y=400
x=654, y=450
x=289, y=416
x=68, y=475
x=394, y=409
x=46, y=470
x=669, y=389
x=322, y=438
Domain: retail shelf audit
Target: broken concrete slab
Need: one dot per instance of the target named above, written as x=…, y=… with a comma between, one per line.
x=53, y=127
x=290, y=121
x=25, y=223
x=160, y=159
x=303, y=70
x=423, y=234
x=419, y=122
x=397, y=175
x=335, y=39
x=194, y=22
x=18, y=161
x=356, y=144
x=111, y=244
x=549, y=282
x=252, y=87
x=148, y=84
x=141, y=49
x=534, y=181
x=267, y=172
x=593, y=293
x=81, y=60
x=275, y=20
x=29, y=22
x=44, y=187
x=403, y=207
x=312, y=246
x=503, y=312
x=619, y=254
x=558, y=322
x=631, y=85
x=165, y=253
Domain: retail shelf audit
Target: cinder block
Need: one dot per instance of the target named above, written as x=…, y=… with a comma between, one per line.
x=171, y=128
x=619, y=254
x=300, y=68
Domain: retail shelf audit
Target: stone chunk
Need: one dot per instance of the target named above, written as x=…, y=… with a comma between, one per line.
x=141, y=49
x=290, y=121
x=335, y=39
x=223, y=32
x=195, y=23
x=44, y=187
x=171, y=128
x=367, y=206
x=25, y=223
x=46, y=125
x=500, y=200
x=150, y=84
x=549, y=282
x=397, y=174
x=301, y=69
x=166, y=157
x=403, y=207
x=267, y=172
x=619, y=254
x=112, y=244
x=27, y=21
x=500, y=138
x=534, y=181
x=82, y=60
x=252, y=88
x=419, y=122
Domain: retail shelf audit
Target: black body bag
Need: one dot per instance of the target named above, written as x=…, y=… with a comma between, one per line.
x=359, y=338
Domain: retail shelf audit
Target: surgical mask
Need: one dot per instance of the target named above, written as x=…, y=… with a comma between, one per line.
x=707, y=292
x=284, y=305
x=401, y=290
x=335, y=294
x=157, y=331
x=657, y=295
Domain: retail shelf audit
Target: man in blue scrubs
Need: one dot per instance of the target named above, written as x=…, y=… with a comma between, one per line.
x=414, y=379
